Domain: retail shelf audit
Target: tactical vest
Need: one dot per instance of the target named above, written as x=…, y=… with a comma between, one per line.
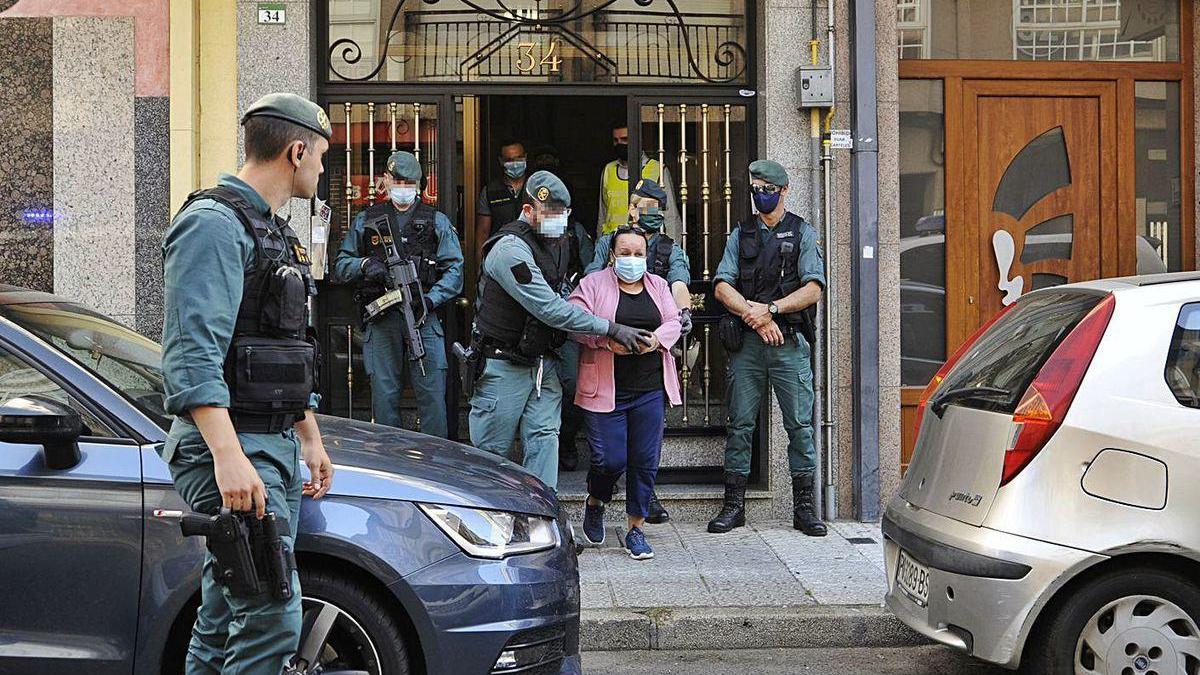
x=272, y=364
x=501, y=320
x=504, y=206
x=418, y=241
x=769, y=272
x=660, y=255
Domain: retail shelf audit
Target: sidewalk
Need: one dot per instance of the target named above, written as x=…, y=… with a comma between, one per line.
x=764, y=585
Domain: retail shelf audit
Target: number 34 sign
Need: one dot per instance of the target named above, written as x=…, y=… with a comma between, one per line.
x=535, y=56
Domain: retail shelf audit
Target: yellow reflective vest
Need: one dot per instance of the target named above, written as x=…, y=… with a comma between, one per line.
x=615, y=193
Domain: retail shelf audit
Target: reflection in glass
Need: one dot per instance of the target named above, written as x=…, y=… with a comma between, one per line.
x=922, y=231
x=601, y=41
x=1156, y=167
x=1041, y=167
x=1046, y=280
x=1049, y=240
x=1039, y=30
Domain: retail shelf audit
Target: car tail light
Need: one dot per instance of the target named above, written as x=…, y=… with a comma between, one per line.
x=950, y=362
x=1045, y=403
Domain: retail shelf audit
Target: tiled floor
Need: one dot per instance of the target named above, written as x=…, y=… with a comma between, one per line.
x=767, y=564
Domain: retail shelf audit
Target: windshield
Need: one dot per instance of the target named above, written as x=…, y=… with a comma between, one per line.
x=125, y=360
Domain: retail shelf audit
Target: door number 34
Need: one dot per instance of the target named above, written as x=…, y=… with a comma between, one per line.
x=534, y=56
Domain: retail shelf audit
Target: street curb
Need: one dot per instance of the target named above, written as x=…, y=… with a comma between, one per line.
x=692, y=628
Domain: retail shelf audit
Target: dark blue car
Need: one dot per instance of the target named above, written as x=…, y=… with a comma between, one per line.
x=426, y=557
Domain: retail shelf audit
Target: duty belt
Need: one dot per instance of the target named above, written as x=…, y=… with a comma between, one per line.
x=252, y=423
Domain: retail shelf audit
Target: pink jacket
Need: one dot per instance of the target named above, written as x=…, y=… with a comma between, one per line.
x=599, y=293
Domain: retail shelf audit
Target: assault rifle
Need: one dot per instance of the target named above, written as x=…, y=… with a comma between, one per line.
x=404, y=289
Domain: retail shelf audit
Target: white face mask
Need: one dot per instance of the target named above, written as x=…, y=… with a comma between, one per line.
x=553, y=226
x=403, y=195
x=630, y=268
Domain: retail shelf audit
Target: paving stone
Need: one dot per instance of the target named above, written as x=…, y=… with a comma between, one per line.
x=595, y=595
x=635, y=594
x=613, y=630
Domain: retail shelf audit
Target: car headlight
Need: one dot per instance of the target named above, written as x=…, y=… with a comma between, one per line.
x=493, y=534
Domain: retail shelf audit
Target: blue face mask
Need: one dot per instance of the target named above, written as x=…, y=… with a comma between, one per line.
x=403, y=195
x=766, y=203
x=515, y=168
x=630, y=268
x=553, y=226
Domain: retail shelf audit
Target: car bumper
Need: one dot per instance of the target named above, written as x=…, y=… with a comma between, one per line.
x=525, y=608
x=985, y=586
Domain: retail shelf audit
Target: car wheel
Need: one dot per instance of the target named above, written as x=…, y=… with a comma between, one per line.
x=346, y=629
x=1127, y=622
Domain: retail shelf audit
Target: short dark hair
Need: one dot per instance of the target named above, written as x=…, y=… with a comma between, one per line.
x=267, y=137
x=619, y=123
x=505, y=142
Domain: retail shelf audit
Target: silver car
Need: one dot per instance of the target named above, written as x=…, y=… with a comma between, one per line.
x=1051, y=514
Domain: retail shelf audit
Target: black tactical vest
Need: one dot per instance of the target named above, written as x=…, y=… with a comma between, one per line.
x=272, y=364
x=769, y=272
x=418, y=240
x=501, y=320
x=660, y=255
x=503, y=204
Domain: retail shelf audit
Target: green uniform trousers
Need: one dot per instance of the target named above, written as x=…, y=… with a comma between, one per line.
x=788, y=369
x=385, y=355
x=507, y=401
x=240, y=635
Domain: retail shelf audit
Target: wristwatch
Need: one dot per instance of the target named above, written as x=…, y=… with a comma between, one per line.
x=773, y=309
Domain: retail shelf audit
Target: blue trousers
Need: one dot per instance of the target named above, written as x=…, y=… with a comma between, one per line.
x=235, y=634
x=789, y=372
x=627, y=440
x=507, y=400
x=385, y=356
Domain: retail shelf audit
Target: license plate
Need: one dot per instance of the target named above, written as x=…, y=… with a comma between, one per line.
x=913, y=579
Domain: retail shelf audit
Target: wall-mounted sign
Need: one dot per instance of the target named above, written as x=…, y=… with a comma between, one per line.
x=272, y=12
x=840, y=139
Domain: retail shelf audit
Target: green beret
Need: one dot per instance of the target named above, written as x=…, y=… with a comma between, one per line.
x=648, y=188
x=772, y=172
x=544, y=187
x=404, y=166
x=291, y=108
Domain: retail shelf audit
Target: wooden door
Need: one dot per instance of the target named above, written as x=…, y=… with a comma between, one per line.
x=1032, y=199
x=1040, y=187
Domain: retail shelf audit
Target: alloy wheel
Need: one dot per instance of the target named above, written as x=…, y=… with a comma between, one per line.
x=332, y=641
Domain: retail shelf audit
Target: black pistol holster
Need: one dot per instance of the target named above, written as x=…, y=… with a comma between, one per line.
x=249, y=557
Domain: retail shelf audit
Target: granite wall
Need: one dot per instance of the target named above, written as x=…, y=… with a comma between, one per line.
x=84, y=187
x=27, y=153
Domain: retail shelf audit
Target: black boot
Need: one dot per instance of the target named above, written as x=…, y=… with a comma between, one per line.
x=804, y=510
x=733, y=513
x=658, y=515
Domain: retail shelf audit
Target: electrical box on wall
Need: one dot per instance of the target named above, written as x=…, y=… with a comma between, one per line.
x=814, y=87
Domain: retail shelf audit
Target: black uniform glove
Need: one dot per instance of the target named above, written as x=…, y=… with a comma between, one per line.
x=374, y=270
x=685, y=321
x=629, y=337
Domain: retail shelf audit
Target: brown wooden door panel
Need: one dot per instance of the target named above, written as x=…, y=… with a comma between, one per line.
x=1037, y=162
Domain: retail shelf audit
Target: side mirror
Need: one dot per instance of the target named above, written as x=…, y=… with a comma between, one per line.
x=43, y=421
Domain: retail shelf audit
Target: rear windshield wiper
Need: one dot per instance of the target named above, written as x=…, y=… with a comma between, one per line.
x=939, y=403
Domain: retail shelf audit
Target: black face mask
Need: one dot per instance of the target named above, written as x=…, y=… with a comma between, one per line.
x=621, y=151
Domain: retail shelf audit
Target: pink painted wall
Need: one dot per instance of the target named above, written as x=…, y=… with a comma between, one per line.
x=151, y=33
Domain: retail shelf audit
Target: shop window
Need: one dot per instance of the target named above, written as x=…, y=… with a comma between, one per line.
x=1039, y=30
x=922, y=231
x=1156, y=167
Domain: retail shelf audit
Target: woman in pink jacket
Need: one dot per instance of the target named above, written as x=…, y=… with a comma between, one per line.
x=623, y=395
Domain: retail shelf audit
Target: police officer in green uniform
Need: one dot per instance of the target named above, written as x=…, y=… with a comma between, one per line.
x=236, y=279
x=770, y=279
x=426, y=237
x=581, y=249
x=667, y=259
x=522, y=319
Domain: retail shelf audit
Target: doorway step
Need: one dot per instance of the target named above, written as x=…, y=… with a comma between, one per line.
x=686, y=502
